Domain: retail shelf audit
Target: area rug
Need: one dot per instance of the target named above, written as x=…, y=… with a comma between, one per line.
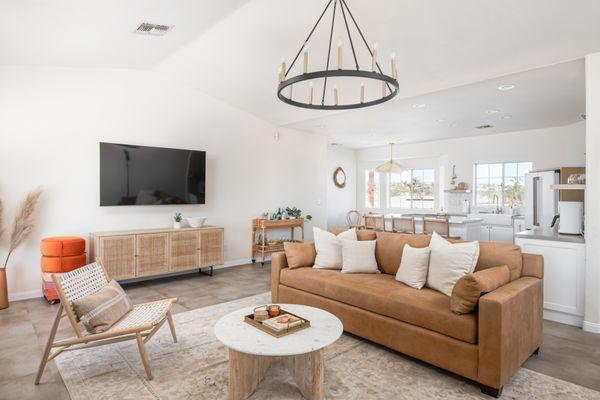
x=196, y=368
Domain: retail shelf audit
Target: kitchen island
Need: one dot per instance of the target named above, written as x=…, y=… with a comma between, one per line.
x=467, y=228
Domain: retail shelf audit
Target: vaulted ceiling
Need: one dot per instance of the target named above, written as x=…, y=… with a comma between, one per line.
x=231, y=50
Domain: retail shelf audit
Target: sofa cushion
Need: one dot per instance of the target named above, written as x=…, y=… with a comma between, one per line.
x=492, y=254
x=388, y=251
x=382, y=294
x=469, y=288
x=300, y=254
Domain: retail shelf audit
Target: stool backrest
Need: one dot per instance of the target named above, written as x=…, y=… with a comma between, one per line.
x=375, y=222
x=438, y=225
x=403, y=224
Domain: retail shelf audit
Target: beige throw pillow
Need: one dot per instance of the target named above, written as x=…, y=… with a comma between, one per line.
x=99, y=311
x=358, y=257
x=329, y=248
x=413, y=266
x=449, y=262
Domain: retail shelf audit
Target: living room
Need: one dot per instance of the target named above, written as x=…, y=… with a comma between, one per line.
x=389, y=128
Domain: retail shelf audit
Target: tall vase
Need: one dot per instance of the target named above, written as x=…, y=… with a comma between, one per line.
x=3, y=290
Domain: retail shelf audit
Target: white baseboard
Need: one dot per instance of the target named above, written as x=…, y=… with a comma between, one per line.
x=593, y=327
x=31, y=294
x=563, y=318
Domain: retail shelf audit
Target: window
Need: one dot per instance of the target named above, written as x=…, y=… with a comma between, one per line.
x=372, y=189
x=503, y=181
x=413, y=189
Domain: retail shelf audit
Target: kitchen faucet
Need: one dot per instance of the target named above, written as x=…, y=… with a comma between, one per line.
x=496, y=200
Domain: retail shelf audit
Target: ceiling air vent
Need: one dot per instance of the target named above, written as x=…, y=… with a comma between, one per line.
x=484, y=126
x=146, y=28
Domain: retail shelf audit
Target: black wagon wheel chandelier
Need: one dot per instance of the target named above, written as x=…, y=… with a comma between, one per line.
x=389, y=84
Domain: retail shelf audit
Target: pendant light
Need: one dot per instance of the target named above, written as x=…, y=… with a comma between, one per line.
x=390, y=167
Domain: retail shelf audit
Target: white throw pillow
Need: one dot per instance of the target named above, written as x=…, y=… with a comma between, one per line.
x=413, y=266
x=329, y=248
x=449, y=262
x=359, y=257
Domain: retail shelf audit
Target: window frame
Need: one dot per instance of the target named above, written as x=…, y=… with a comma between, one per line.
x=412, y=193
x=502, y=197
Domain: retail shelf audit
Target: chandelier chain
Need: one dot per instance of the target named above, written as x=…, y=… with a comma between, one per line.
x=329, y=52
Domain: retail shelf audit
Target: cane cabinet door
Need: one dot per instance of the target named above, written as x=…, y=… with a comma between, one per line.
x=184, y=250
x=152, y=254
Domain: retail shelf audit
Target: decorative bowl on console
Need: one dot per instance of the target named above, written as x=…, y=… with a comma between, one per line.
x=196, y=222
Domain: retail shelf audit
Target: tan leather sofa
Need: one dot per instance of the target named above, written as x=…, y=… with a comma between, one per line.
x=487, y=346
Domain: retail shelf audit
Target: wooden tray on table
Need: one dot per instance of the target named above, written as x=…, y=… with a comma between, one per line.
x=249, y=319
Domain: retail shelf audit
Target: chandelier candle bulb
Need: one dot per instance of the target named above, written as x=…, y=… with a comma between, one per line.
x=335, y=95
x=339, y=43
x=283, y=67
x=290, y=91
x=306, y=59
x=374, y=58
x=312, y=92
x=394, y=66
x=383, y=89
x=362, y=92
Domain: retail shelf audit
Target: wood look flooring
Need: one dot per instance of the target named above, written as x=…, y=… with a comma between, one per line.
x=568, y=353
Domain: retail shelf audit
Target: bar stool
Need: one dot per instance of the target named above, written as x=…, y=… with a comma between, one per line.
x=375, y=222
x=438, y=225
x=403, y=225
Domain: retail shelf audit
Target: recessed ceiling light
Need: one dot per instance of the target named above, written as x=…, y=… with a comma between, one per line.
x=440, y=120
x=507, y=116
x=454, y=125
x=146, y=28
x=486, y=126
x=492, y=111
x=419, y=105
x=504, y=88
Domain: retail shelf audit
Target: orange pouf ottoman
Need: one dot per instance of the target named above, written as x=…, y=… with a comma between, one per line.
x=60, y=255
x=62, y=246
x=62, y=264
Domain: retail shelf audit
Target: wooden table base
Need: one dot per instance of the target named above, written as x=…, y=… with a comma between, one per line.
x=246, y=371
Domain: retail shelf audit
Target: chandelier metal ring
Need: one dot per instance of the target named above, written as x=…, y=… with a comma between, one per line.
x=389, y=83
x=309, y=76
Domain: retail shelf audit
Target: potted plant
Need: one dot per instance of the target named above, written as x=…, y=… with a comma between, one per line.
x=295, y=212
x=177, y=220
x=22, y=227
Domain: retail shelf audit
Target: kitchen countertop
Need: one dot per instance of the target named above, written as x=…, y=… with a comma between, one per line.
x=549, y=234
x=453, y=219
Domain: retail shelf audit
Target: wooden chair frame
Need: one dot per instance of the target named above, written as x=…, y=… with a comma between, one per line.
x=141, y=333
x=397, y=223
x=375, y=222
x=431, y=225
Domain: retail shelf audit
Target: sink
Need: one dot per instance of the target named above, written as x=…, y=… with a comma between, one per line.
x=493, y=219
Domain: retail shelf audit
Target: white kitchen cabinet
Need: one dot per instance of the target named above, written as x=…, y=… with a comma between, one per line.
x=501, y=234
x=496, y=233
x=564, y=278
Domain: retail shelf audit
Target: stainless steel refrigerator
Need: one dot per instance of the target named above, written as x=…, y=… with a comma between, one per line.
x=541, y=202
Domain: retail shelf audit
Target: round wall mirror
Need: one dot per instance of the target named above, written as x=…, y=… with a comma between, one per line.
x=339, y=177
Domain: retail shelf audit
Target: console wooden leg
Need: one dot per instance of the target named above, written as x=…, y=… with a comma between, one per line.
x=490, y=391
x=246, y=371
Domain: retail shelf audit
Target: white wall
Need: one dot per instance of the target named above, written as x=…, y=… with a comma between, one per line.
x=340, y=200
x=51, y=121
x=546, y=148
x=591, y=320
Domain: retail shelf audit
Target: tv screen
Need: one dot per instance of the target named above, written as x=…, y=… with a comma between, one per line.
x=142, y=175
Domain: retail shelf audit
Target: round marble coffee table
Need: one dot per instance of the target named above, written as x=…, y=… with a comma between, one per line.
x=252, y=351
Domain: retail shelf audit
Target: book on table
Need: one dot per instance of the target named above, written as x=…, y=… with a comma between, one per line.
x=282, y=322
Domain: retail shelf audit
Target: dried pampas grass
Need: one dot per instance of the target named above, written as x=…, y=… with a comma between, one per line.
x=1, y=212
x=24, y=222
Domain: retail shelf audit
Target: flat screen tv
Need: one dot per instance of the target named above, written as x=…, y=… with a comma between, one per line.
x=142, y=175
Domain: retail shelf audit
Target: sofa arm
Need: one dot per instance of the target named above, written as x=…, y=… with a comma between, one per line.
x=278, y=262
x=510, y=329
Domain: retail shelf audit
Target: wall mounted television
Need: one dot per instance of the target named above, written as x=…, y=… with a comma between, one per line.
x=143, y=175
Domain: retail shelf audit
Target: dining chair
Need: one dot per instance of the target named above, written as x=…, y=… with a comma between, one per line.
x=375, y=222
x=353, y=217
x=139, y=324
x=403, y=224
x=438, y=225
